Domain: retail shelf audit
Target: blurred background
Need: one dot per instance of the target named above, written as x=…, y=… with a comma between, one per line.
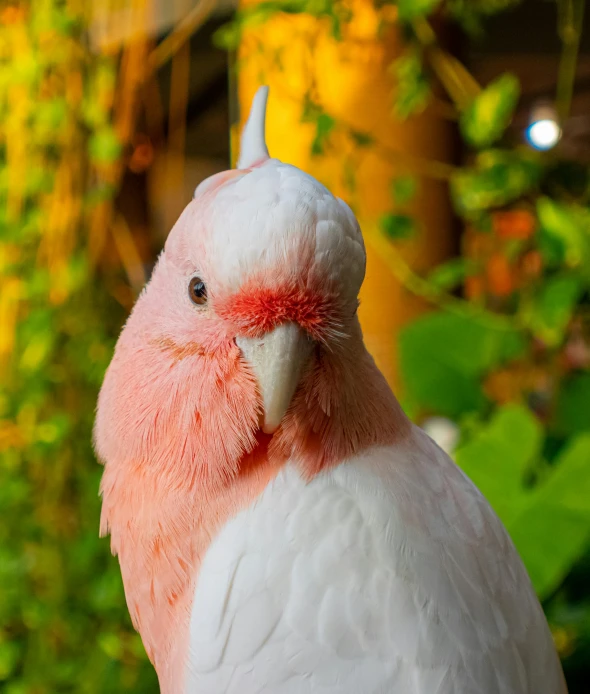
x=459, y=132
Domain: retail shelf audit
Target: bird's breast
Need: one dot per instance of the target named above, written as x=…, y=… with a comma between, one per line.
x=388, y=573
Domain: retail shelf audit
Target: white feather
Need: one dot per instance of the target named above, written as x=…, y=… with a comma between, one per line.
x=388, y=575
x=253, y=148
x=269, y=215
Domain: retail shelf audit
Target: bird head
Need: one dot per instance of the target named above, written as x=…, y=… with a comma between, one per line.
x=258, y=283
x=281, y=261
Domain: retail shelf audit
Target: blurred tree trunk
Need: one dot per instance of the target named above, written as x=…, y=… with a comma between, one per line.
x=297, y=56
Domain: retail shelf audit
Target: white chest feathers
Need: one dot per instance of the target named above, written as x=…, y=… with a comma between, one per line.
x=387, y=575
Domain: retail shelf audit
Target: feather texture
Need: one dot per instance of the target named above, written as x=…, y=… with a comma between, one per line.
x=253, y=148
x=389, y=574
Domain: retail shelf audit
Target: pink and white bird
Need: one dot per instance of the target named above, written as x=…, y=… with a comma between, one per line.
x=281, y=526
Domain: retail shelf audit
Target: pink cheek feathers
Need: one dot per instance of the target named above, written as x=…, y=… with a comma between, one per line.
x=178, y=432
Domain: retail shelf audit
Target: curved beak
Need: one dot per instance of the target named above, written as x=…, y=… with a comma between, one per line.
x=277, y=360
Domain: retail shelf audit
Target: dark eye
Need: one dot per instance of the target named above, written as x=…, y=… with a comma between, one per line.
x=197, y=291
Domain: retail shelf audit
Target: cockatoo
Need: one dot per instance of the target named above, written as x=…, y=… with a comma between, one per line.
x=281, y=526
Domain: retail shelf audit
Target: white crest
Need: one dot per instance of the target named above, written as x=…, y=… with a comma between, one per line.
x=253, y=148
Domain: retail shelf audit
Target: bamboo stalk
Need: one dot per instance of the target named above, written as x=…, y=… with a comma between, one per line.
x=179, y=88
x=570, y=22
x=458, y=82
x=180, y=34
x=128, y=253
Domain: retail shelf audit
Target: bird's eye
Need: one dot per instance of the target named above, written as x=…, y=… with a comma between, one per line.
x=197, y=291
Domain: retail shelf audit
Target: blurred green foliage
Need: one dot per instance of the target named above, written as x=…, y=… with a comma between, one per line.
x=413, y=90
x=64, y=625
x=487, y=116
x=506, y=357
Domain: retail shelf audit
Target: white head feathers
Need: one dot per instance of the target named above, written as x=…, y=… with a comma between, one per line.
x=253, y=149
x=266, y=214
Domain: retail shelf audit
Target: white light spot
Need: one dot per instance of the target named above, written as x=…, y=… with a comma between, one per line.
x=443, y=431
x=544, y=134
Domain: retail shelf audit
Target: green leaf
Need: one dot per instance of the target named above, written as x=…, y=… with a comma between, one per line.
x=26, y=70
x=228, y=36
x=38, y=181
x=311, y=111
x=336, y=27
x=110, y=643
x=104, y=146
x=403, y=189
x=412, y=84
x=498, y=456
x=49, y=117
x=397, y=226
x=443, y=357
x=362, y=139
x=450, y=274
x=37, y=352
x=551, y=248
x=490, y=113
x=54, y=429
x=324, y=127
x=409, y=10
x=499, y=177
x=9, y=657
x=550, y=524
x=568, y=225
x=553, y=527
x=572, y=409
x=552, y=309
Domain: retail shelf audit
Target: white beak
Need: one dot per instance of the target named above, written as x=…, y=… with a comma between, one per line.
x=277, y=360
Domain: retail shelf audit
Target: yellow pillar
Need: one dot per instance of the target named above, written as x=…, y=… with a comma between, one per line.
x=297, y=56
